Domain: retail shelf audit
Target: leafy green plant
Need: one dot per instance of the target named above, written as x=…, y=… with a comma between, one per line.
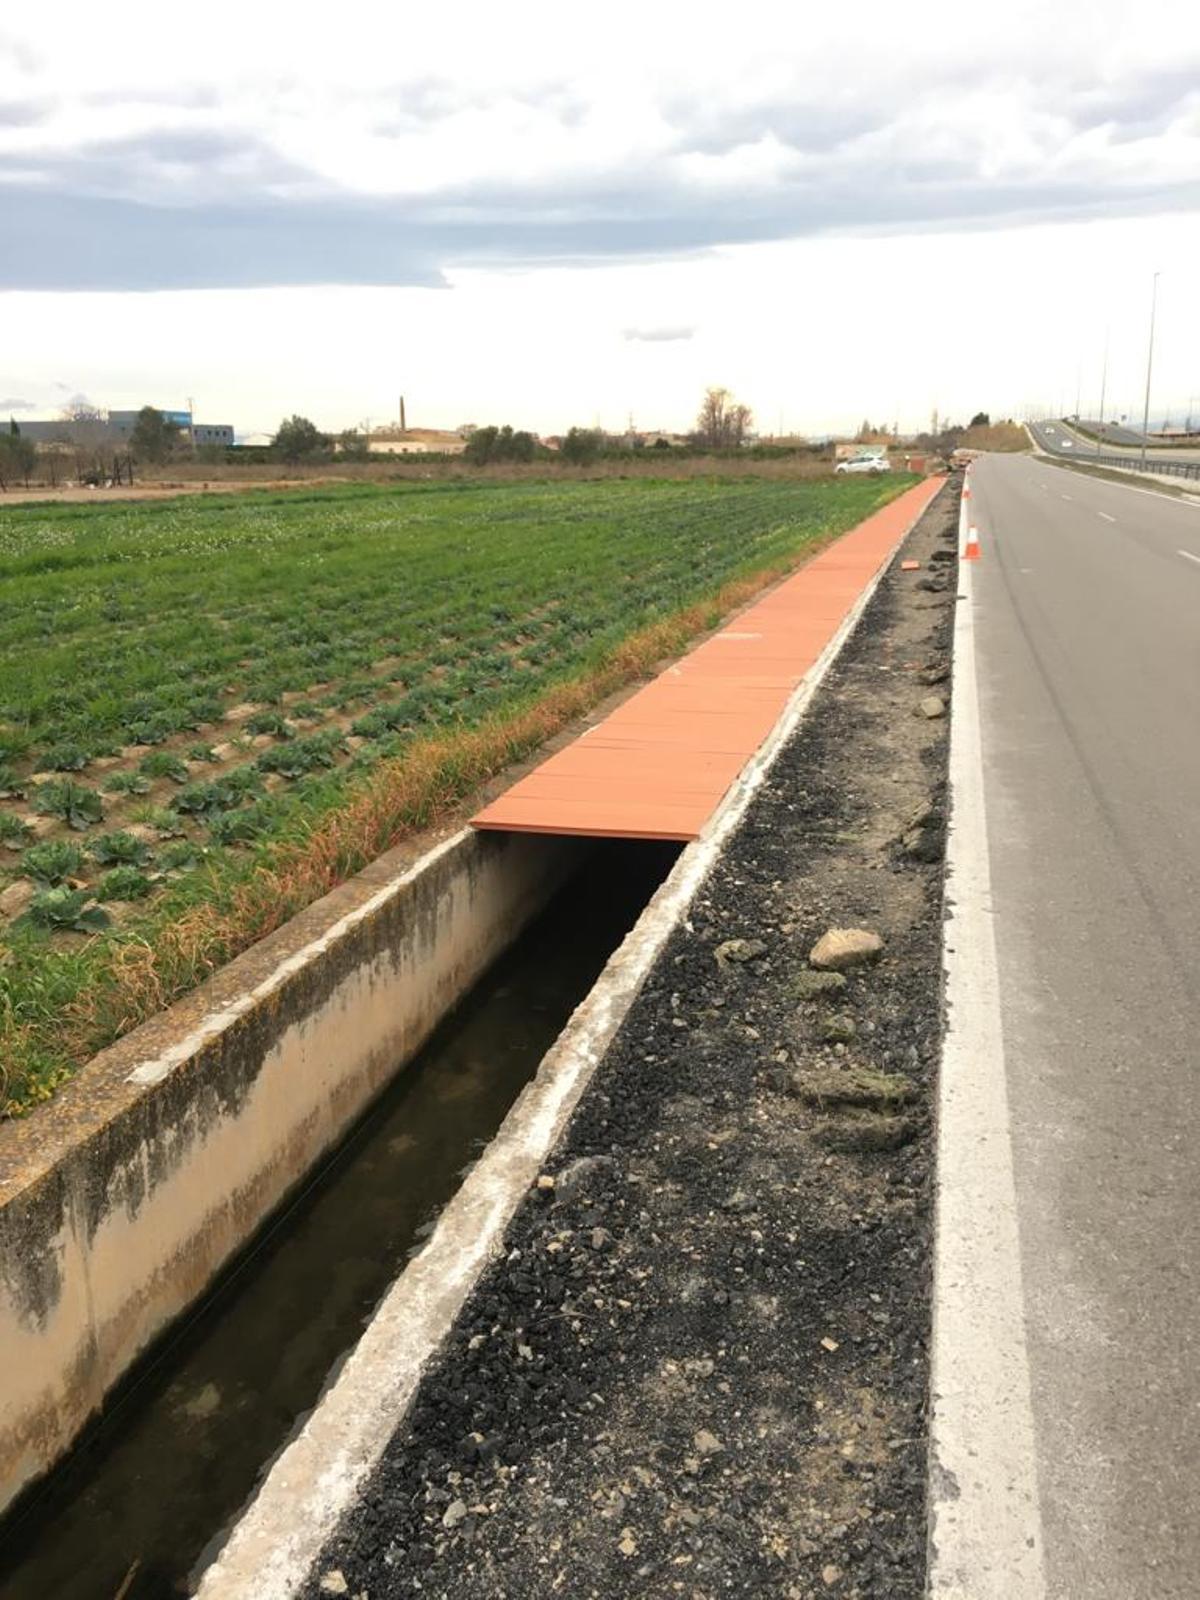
x=241, y=782
x=150, y=730
x=205, y=799
x=166, y=823
x=303, y=755
x=164, y=764
x=120, y=849
x=64, y=911
x=124, y=883
x=201, y=752
x=52, y=862
x=127, y=783
x=11, y=787
x=65, y=758
x=271, y=722
x=74, y=803
x=239, y=827
x=180, y=856
x=15, y=833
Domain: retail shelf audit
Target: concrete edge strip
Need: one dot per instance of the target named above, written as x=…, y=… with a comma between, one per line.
x=274, y=1546
x=985, y=1535
x=154, y=1069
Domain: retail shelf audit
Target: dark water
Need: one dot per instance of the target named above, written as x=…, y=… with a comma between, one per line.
x=144, y=1502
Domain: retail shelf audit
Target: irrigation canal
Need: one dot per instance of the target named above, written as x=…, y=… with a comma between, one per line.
x=144, y=1501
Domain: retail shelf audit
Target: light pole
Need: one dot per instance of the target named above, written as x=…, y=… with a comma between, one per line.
x=1103, y=387
x=1149, y=367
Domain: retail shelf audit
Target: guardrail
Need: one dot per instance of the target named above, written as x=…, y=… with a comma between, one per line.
x=1166, y=469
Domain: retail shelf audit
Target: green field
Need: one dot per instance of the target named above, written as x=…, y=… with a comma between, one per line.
x=182, y=682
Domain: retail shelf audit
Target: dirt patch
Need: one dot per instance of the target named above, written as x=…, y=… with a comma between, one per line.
x=702, y=1368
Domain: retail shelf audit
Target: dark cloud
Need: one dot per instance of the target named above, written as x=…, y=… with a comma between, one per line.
x=220, y=208
x=59, y=242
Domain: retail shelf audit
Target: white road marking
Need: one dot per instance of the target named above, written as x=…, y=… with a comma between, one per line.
x=1066, y=497
x=1188, y=556
x=985, y=1534
x=1106, y=516
x=1186, y=500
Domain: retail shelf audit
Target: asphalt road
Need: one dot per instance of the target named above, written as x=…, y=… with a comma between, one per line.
x=1087, y=615
x=1051, y=436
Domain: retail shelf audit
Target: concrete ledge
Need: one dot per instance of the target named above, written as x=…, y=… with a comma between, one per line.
x=122, y=1200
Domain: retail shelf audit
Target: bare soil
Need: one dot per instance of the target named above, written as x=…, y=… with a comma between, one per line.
x=701, y=1367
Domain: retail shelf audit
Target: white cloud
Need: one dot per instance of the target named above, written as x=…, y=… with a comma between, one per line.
x=624, y=208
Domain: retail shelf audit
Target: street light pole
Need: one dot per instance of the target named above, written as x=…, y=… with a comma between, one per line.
x=1103, y=387
x=1149, y=368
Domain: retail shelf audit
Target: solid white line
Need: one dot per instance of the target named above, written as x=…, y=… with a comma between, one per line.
x=1106, y=516
x=985, y=1536
x=1188, y=556
x=1134, y=488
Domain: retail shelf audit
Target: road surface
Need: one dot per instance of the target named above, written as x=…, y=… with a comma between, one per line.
x=1061, y=438
x=1087, y=620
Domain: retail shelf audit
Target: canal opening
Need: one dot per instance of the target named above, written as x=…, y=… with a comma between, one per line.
x=144, y=1501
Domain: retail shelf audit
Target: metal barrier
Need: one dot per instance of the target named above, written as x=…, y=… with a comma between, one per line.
x=1131, y=463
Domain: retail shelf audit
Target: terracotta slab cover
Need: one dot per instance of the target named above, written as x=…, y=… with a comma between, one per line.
x=659, y=765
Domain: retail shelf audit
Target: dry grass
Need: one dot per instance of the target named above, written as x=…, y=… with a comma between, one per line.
x=999, y=436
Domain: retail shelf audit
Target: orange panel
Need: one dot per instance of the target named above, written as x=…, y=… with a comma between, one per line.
x=659, y=766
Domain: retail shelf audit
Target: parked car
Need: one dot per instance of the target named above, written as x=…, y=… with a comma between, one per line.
x=864, y=464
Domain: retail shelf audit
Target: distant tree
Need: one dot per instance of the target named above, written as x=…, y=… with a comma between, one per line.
x=18, y=459
x=481, y=446
x=353, y=445
x=723, y=422
x=153, y=437
x=298, y=438
x=499, y=444
x=980, y=420
x=582, y=445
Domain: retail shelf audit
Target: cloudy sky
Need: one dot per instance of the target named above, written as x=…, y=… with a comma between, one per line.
x=551, y=214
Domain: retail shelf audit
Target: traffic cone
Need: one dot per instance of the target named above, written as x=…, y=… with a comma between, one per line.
x=971, y=553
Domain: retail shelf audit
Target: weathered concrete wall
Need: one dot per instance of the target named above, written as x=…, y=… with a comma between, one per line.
x=122, y=1200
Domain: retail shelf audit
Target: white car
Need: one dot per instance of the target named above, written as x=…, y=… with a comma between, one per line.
x=864, y=464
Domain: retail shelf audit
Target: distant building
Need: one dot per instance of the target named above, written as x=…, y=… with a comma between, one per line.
x=218, y=433
x=415, y=442
x=124, y=422
x=116, y=427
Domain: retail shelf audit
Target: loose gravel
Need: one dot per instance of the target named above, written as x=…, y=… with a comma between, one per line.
x=701, y=1368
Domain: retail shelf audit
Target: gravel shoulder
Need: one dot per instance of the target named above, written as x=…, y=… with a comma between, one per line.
x=702, y=1367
